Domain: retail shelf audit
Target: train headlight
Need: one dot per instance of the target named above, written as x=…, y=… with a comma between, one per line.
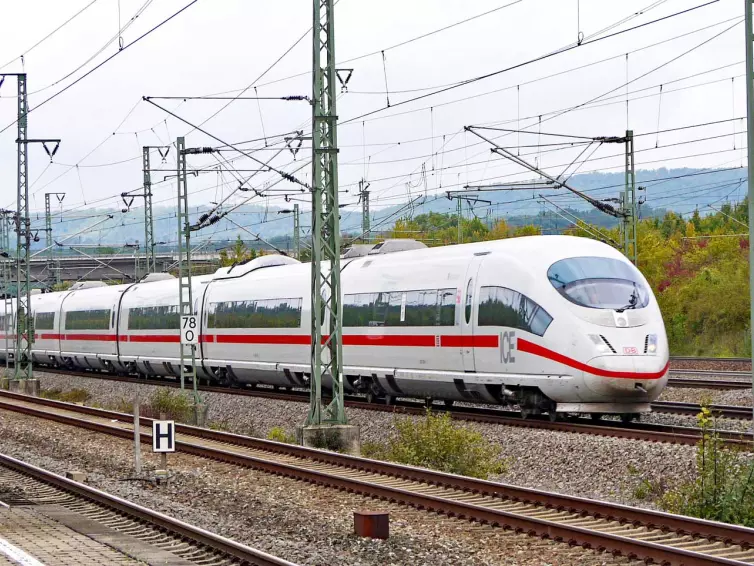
x=651, y=344
x=599, y=343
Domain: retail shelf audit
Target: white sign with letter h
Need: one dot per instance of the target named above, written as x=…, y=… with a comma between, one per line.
x=163, y=436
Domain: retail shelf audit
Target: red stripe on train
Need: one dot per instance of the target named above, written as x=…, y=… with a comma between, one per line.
x=154, y=338
x=541, y=351
x=416, y=340
x=94, y=337
x=301, y=339
x=484, y=341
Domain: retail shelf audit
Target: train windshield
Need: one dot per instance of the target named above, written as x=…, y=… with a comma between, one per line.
x=599, y=283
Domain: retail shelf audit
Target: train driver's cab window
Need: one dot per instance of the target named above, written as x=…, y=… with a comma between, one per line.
x=499, y=306
x=599, y=283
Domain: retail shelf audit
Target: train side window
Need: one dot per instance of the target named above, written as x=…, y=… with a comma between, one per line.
x=163, y=317
x=44, y=321
x=499, y=306
x=424, y=307
x=260, y=313
x=469, y=297
x=96, y=319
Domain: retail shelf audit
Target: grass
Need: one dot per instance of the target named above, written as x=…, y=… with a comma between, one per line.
x=279, y=434
x=71, y=396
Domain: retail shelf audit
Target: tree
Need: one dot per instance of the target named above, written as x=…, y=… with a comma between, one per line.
x=236, y=254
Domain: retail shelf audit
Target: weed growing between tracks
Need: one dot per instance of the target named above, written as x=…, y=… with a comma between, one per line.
x=723, y=489
x=279, y=434
x=72, y=396
x=439, y=443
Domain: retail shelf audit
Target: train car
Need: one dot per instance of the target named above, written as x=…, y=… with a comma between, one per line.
x=553, y=324
x=148, y=326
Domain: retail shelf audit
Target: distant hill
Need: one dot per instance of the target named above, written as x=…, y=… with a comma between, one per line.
x=666, y=189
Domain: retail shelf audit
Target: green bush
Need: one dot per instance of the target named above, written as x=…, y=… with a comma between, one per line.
x=437, y=442
x=279, y=434
x=723, y=489
x=175, y=406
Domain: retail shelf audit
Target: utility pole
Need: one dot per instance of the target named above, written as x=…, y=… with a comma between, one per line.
x=365, y=222
x=296, y=232
x=185, y=295
x=326, y=347
x=750, y=150
x=51, y=267
x=629, y=219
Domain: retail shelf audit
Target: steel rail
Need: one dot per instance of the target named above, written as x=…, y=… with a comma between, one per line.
x=724, y=411
x=635, y=431
x=712, y=373
x=707, y=359
x=708, y=383
x=241, y=552
x=563, y=532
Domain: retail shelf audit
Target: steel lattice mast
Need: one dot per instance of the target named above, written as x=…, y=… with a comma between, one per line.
x=296, y=232
x=151, y=264
x=53, y=274
x=24, y=321
x=185, y=296
x=326, y=347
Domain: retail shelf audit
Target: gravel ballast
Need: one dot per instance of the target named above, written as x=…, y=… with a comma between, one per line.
x=576, y=464
x=295, y=520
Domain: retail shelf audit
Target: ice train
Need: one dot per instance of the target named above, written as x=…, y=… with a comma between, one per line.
x=551, y=324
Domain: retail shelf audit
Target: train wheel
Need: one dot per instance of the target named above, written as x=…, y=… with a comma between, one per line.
x=595, y=416
x=428, y=402
x=370, y=396
x=448, y=403
x=628, y=417
x=554, y=417
x=389, y=400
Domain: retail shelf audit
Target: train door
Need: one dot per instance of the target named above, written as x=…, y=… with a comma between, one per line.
x=467, y=300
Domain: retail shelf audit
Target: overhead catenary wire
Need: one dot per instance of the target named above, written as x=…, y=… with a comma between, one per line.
x=105, y=62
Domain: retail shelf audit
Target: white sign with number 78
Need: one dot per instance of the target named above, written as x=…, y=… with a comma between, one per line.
x=189, y=329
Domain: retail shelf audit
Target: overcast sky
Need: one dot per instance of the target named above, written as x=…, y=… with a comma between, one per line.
x=223, y=46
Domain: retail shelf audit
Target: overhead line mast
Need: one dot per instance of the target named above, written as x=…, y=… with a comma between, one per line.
x=22, y=374
x=326, y=347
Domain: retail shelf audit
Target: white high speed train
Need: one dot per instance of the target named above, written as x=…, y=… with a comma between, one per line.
x=554, y=324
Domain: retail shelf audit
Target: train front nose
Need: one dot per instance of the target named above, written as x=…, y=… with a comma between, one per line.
x=628, y=377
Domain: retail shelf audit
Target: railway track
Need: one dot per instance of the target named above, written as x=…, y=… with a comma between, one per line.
x=708, y=383
x=708, y=359
x=635, y=533
x=636, y=430
x=743, y=375
x=138, y=532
